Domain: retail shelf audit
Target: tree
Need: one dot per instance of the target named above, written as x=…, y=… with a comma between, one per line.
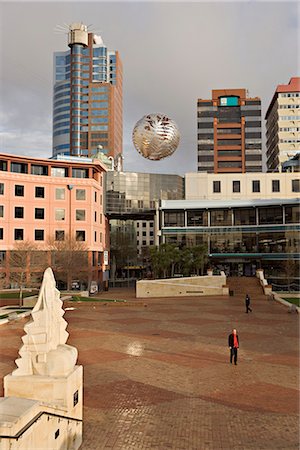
x=69, y=259
x=290, y=270
x=20, y=259
x=200, y=257
x=167, y=258
x=123, y=244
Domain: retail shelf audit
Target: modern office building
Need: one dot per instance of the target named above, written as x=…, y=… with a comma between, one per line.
x=240, y=235
x=229, y=132
x=88, y=98
x=43, y=201
x=247, y=221
x=283, y=125
x=132, y=200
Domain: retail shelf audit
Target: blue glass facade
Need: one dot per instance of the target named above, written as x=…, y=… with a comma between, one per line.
x=81, y=105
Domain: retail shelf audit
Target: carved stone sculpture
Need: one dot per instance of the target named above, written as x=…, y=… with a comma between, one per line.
x=44, y=350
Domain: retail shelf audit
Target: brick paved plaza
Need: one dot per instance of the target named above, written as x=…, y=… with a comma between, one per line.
x=158, y=376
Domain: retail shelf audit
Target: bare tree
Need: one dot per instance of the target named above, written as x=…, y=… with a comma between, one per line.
x=19, y=264
x=69, y=259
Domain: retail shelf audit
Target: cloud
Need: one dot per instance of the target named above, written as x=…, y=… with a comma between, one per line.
x=172, y=53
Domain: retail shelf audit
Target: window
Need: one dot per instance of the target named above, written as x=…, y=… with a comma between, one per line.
x=39, y=170
x=19, y=234
x=255, y=186
x=140, y=203
x=221, y=217
x=80, y=194
x=270, y=215
x=197, y=218
x=95, y=216
x=174, y=219
x=80, y=235
x=236, y=186
x=144, y=243
x=80, y=214
x=275, y=185
x=3, y=165
x=1, y=211
x=59, y=172
x=19, y=212
x=39, y=213
x=1, y=188
x=59, y=193
x=80, y=173
x=19, y=190
x=59, y=214
x=39, y=192
x=216, y=186
x=19, y=167
x=95, y=196
x=59, y=235
x=1, y=234
x=292, y=214
x=38, y=235
x=244, y=216
x=295, y=185
x=95, y=236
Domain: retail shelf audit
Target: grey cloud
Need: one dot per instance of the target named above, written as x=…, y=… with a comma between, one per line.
x=172, y=53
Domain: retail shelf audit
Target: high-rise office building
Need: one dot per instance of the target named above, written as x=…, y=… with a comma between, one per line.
x=87, y=100
x=283, y=125
x=229, y=132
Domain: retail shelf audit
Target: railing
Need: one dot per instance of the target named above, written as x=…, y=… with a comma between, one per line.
x=35, y=419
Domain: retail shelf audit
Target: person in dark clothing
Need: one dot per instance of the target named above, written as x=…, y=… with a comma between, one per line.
x=233, y=344
x=247, y=301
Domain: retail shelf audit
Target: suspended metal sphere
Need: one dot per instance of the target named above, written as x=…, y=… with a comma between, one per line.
x=155, y=136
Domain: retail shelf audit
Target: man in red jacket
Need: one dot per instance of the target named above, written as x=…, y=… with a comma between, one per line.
x=233, y=344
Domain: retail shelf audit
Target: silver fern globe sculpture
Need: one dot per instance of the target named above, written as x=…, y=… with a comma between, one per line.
x=155, y=136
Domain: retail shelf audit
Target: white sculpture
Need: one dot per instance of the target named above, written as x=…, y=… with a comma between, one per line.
x=44, y=350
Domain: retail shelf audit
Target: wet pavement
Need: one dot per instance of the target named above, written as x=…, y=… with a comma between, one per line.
x=157, y=372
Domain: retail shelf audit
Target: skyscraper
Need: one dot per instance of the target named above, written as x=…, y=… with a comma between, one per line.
x=283, y=124
x=229, y=132
x=88, y=97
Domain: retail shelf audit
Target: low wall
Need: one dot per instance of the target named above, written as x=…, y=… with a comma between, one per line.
x=186, y=286
x=267, y=288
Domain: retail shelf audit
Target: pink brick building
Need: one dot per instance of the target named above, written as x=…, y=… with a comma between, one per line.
x=44, y=199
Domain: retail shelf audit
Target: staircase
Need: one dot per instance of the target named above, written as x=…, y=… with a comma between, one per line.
x=245, y=285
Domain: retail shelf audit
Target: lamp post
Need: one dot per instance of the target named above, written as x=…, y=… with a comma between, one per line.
x=70, y=187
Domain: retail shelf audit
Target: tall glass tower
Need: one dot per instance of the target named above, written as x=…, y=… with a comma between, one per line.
x=88, y=97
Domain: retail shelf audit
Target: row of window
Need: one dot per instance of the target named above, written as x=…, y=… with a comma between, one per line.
x=289, y=106
x=144, y=233
x=39, y=235
x=236, y=186
x=43, y=170
x=60, y=193
x=289, y=94
x=39, y=213
x=144, y=243
x=233, y=217
x=144, y=224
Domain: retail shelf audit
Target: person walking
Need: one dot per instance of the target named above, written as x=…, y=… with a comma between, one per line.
x=233, y=344
x=247, y=301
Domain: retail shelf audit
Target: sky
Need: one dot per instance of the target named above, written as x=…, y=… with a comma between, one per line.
x=172, y=52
